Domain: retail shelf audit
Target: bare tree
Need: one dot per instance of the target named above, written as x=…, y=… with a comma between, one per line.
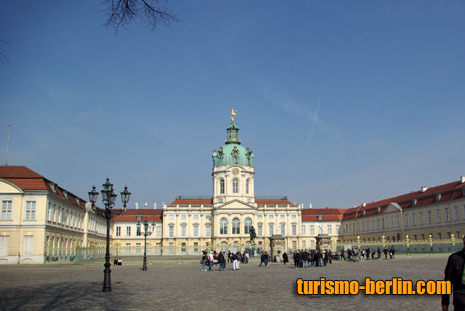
x=121, y=13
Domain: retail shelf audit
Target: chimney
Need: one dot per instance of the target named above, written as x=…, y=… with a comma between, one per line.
x=154, y=205
x=310, y=206
x=146, y=205
x=364, y=204
x=462, y=179
x=423, y=189
x=137, y=205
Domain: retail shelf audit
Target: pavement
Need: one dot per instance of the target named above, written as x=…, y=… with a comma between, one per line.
x=185, y=287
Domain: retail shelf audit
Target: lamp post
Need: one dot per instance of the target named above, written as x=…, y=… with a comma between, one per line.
x=109, y=200
x=408, y=244
x=148, y=230
x=431, y=244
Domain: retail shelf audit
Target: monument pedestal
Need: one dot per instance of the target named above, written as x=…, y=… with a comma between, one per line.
x=276, y=246
x=323, y=241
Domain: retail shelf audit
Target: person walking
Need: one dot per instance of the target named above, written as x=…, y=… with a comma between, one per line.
x=210, y=261
x=262, y=259
x=285, y=258
x=221, y=261
x=454, y=273
x=204, y=261
x=266, y=259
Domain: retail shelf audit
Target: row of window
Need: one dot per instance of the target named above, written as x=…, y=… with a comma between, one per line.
x=157, y=231
x=208, y=217
x=184, y=217
x=28, y=245
x=394, y=222
x=195, y=232
x=235, y=186
x=59, y=215
x=7, y=210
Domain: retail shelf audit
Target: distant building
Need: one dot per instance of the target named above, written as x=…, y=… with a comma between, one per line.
x=437, y=211
x=223, y=221
x=41, y=221
x=129, y=240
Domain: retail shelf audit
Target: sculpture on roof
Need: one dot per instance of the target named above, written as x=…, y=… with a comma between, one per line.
x=233, y=113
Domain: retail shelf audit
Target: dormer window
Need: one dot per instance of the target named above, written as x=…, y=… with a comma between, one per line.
x=438, y=197
x=53, y=186
x=414, y=202
x=379, y=209
x=65, y=194
x=320, y=217
x=78, y=201
x=363, y=213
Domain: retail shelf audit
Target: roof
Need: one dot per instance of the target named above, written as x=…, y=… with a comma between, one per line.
x=274, y=202
x=27, y=180
x=210, y=202
x=323, y=211
x=322, y=214
x=130, y=215
x=142, y=212
x=191, y=202
x=442, y=193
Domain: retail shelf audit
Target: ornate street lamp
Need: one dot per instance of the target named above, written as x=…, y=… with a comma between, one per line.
x=148, y=230
x=431, y=244
x=407, y=239
x=109, y=200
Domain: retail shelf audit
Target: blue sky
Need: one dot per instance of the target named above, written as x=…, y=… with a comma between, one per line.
x=342, y=102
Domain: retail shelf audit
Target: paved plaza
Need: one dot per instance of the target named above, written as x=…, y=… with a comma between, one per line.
x=185, y=287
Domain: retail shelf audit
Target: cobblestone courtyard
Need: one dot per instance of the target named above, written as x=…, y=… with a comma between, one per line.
x=185, y=287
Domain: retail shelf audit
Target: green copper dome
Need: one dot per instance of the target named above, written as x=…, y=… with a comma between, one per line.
x=232, y=153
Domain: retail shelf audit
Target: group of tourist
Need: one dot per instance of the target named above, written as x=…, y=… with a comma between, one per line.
x=304, y=259
x=366, y=254
x=212, y=258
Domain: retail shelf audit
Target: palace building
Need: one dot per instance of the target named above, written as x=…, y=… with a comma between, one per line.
x=224, y=220
x=42, y=222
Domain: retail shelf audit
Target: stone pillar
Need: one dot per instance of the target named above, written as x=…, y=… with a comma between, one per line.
x=323, y=241
x=276, y=246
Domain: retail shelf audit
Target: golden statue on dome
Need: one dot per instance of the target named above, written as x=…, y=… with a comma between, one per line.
x=233, y=113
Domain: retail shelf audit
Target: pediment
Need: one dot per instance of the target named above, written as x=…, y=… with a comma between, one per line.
x=236, y=205
x=392, y=207
x=8, y=187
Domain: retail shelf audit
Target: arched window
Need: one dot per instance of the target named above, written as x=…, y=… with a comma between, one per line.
x=283, y=228
x=247, y=185
x=247, y=225
x=235, y=185
x=224, y=246
x=260, y=229
x=271, y=228
x=223, y=226
x=221, y=185
x=236, y=226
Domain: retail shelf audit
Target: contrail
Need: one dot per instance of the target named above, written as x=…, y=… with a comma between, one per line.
x=315, y=119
